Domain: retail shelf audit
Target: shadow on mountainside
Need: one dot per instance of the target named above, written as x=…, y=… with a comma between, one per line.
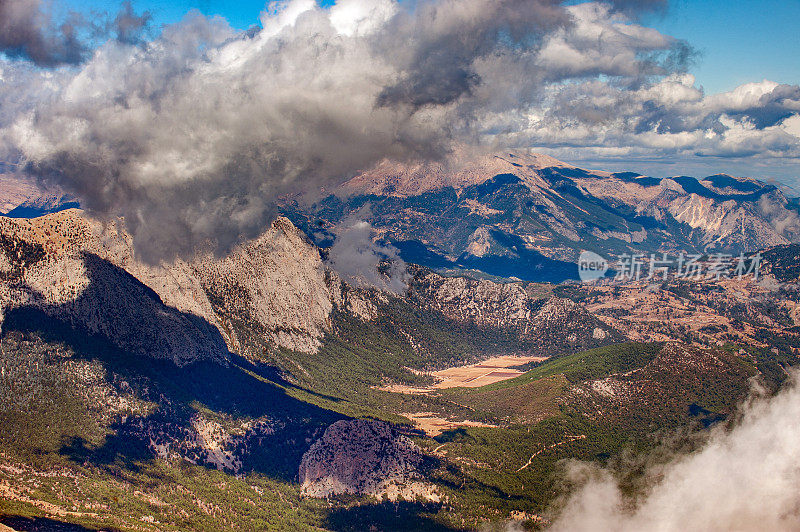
x=132, y=316
x=396, y=516
x=221, y=385
x=43, y=524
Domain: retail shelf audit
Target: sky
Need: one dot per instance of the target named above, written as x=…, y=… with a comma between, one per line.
x=739, y=41
x=191, y=126
x=736, y=42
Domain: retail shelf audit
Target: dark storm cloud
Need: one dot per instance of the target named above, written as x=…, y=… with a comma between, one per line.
x=27, y=31
x=446, y=37
x=127, y=26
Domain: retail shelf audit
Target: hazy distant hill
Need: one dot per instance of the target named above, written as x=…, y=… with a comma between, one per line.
x=24, y=198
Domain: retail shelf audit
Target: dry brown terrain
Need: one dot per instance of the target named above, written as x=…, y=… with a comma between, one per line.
x=492, y=370
x=433, y=425
x=489, y=371
x=15, y=190
x=712, y=312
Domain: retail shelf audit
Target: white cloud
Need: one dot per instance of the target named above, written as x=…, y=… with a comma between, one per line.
x=599, y=41
x=362, y=17
x=743, y=96
x=358, y=258
x=792, y=125
x=281, y=14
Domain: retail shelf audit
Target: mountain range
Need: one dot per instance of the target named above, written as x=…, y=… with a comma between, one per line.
x=22, y=197
x=529, y=216
x=267, y=390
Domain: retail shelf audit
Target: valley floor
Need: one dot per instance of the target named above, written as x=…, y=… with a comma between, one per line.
x=489, y=371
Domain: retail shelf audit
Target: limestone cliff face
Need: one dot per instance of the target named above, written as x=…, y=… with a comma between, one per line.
x=278, y=280
x=737, y=225
x=483, y=302
x=719, y=219
x=84, y=272
x=363, y=457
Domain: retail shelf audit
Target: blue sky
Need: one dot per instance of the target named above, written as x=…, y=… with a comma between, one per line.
x=739, y=40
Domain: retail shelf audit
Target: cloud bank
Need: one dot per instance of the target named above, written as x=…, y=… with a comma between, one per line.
x=666, y=116
x=193, y=134
x=745, y=479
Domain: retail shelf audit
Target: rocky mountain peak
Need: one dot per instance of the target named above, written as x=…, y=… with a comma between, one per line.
x=460, y=170
x=529, y=216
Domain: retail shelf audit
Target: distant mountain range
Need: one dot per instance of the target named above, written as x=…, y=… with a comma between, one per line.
x=529, y=216
x=520, y=215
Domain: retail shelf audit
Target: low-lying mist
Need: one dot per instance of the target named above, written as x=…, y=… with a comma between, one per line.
x=747, y=478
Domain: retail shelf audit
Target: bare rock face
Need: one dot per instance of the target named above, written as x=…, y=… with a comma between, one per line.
x=737, y=225
x=62, y=278
x=85, y=272
x=483, y=302
x=363, y=457
x=278, y=281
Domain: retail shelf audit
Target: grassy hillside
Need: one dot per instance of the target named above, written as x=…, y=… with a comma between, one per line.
x=73, y=438
x=77, y=408
x=552, y=412
x=588, y=365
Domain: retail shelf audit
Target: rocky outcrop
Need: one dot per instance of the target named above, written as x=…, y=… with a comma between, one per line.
x=363, y=457
x=482, y=302
x=94, y=295
x=202, y=440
